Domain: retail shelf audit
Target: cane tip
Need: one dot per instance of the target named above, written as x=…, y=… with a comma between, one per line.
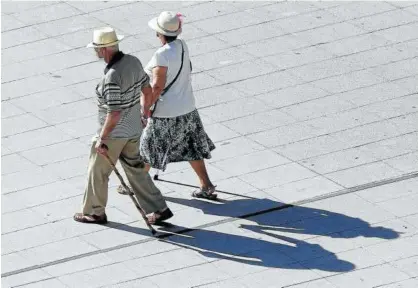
x=155, y=177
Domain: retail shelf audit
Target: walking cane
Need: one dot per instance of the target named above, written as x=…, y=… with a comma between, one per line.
x=130, y=193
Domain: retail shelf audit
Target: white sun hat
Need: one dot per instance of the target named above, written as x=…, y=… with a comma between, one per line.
x=167, y=23
x=105, y=37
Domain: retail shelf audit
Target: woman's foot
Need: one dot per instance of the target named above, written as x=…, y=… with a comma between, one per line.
x=93, y=219
x=156, y=218
x=206, y=193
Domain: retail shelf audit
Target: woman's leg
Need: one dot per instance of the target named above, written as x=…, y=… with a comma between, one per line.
x=200, y=169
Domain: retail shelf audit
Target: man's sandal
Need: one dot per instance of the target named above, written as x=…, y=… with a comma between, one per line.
x=123, y=191
x=208, y=193
x=92, y=219
x=158, y=217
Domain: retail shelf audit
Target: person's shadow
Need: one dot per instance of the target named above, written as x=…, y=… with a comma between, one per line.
x=292, y=219
x=304, y=222
x=284, y=252
x=274, y=247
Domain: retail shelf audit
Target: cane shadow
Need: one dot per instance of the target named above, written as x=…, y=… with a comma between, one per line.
x=283, y=252
x=292, y=219
x=128, y=228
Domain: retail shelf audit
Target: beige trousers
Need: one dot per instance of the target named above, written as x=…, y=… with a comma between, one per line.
x=99, y=170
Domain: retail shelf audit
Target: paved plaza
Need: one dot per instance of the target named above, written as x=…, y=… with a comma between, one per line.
x=313, y=107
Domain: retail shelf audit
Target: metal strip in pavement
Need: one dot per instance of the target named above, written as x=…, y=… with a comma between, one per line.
x=228, y=220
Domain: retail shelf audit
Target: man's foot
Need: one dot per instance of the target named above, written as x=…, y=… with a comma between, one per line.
x=123, y=191
x=157, y=217
x=206, y=193
x=94, y=219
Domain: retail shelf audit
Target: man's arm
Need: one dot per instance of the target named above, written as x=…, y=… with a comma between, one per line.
x=111, y=121
x=112, y=99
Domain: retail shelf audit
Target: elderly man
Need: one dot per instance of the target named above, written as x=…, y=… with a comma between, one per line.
x=119, y=101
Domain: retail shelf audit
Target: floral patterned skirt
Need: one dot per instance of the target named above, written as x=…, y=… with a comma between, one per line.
x=182, y=138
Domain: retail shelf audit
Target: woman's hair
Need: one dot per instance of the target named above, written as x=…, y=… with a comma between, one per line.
x=170, y=38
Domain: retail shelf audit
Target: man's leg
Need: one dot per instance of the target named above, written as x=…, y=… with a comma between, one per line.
x=96, y=192
x=148, y=195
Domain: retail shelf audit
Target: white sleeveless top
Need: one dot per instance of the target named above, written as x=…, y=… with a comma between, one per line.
x=179, y=99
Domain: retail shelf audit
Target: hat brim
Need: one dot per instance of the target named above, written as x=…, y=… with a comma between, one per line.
x=94, y=45
x=153, y=24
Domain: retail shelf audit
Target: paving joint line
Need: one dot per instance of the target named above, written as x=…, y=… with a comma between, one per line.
x=394, y=43
x=329, y=134
x=216, y=223
x=214, y=35
x=289, y=69
x=295, y=85
x=68, y=3
x=308, y=281
x=371, y=162
x=32, y=148
x=397, y=282
x=267, y=148
x=350, y=128
x=187, y=247
x=267, y=212
x=84, y=13
x=360, y=269
x=44, y=4
x=223, y=122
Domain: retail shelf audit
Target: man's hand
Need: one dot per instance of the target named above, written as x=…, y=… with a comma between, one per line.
x=100, y=147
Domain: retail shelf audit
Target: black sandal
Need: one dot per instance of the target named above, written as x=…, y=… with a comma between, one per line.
x=160, y=217
x=80, y=217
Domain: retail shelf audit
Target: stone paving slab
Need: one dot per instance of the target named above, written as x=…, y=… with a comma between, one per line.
x=309, y=103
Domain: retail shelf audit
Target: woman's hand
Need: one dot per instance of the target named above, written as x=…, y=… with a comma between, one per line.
x=144, y=121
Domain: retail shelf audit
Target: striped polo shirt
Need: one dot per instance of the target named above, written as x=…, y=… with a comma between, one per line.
x=120, y=90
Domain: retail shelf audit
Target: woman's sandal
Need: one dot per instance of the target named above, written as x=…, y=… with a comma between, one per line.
x=157, y=218
x=93, y=219
x=206, y=193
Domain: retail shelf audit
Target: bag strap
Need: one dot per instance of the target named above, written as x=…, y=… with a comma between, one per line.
x=174, y=80
x=178, y=73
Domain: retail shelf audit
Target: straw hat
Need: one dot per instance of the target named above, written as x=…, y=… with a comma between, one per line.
x=167, y=23
x=105, y=37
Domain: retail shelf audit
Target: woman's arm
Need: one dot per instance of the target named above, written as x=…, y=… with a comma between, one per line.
x=159, y=76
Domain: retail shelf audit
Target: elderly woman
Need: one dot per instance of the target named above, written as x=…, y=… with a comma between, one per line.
x=174, y=130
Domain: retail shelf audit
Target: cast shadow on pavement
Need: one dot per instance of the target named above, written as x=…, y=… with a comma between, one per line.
x=266, y=240
x=294, y=219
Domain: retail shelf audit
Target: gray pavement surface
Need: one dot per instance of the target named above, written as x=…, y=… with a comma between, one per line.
x=309, y=103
